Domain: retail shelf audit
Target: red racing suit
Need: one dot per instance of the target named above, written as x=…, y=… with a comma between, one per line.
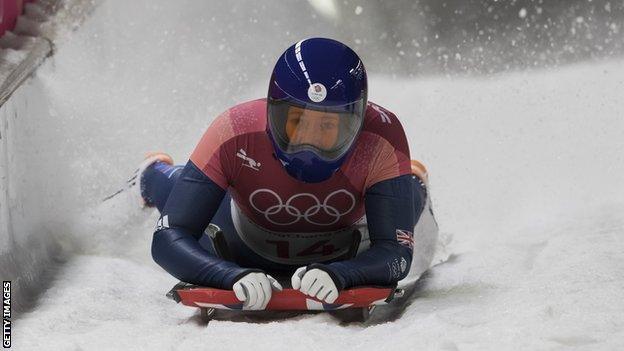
x=280, y=223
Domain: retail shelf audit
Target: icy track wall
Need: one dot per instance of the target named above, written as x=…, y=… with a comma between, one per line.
x=27, y=246
x=24, y=247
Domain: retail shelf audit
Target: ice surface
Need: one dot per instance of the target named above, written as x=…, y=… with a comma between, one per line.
x=526, y=173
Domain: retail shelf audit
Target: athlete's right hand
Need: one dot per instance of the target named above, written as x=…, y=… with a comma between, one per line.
x=255, y=289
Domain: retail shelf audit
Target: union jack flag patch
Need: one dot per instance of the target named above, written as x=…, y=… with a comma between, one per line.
x=405, y=238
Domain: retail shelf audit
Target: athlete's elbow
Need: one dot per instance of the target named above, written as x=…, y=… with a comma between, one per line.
x=159, y=243
x=400, y=264
x=406, y=263
x=162, y=243
x=164, y=256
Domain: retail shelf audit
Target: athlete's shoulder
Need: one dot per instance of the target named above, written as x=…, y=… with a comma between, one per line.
x=246, y=117
x=239, y=124
x=382, y=150
x=375, y=110
x=384, y=124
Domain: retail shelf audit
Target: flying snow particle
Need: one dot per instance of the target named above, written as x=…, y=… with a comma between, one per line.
x=358, y=10
x=522, y=13
x=614, y=28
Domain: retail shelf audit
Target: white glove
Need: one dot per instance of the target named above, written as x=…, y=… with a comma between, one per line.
x=255, y=289
x=315, y=283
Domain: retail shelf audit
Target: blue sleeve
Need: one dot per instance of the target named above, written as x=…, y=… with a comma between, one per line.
x=192, y=203
x=391, y=205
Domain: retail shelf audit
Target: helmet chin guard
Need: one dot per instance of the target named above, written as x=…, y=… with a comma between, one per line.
x=306, y=165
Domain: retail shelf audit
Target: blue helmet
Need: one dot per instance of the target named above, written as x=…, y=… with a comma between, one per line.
x=315, y=107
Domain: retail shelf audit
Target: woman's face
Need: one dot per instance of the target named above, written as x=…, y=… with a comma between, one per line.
x=312, y=127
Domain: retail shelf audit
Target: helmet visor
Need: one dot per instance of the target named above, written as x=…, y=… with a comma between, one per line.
x=328, y=131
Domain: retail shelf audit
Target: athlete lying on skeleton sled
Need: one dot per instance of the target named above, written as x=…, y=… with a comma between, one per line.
x=313, y=183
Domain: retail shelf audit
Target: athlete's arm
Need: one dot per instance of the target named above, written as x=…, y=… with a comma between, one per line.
x=390, y=205
x=190, y=207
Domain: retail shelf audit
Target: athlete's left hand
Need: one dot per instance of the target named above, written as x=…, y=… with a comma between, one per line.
x=315, y=283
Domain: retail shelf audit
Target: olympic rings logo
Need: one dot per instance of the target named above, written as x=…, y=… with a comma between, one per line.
x=298, y=214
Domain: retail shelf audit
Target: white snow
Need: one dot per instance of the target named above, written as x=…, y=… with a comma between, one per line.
x=526, y=174
x=522, y=13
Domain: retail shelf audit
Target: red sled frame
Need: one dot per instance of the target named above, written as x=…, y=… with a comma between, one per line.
x=210, y=299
